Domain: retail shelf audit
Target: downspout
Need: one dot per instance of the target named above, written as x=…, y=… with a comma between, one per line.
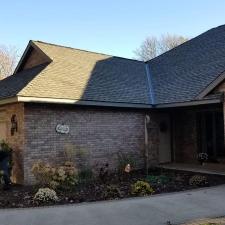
x=147, y=121
x=147, y=117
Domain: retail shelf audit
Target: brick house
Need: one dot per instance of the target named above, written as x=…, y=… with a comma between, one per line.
x=171, y=107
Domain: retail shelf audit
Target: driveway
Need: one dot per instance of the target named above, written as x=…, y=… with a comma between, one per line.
x=155, y=210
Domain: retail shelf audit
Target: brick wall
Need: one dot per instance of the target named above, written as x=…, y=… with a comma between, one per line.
x=96, y=133
x=17, y=140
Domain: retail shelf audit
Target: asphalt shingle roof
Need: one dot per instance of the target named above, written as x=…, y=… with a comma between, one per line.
x=12, y=85
x=182, y=73
x=82, y=75
x=178, y=75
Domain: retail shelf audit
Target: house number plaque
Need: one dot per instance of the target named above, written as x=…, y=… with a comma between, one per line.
x=62, y=129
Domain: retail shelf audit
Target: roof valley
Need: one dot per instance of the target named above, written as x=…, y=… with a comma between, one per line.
x=150, y=84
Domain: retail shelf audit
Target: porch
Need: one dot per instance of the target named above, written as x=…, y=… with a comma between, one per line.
x=193, y=130
x=208, y=168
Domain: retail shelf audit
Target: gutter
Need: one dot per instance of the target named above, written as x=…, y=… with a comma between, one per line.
x=108, y=104
x=190, y=103
x=86, y=103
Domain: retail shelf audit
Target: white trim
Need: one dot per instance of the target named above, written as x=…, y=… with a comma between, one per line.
x=78, y=102
x=211, y=86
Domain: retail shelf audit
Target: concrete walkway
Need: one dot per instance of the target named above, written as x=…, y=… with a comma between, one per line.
x=156, y=210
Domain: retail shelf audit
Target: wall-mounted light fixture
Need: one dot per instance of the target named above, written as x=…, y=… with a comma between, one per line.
x=14, y=125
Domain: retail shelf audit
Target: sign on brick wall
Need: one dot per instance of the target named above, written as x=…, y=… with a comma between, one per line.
x=63, y=129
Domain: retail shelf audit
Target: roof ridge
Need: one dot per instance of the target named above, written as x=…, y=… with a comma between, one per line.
x=84, y=50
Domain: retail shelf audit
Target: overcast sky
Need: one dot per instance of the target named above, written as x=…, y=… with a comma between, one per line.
x=115, y=27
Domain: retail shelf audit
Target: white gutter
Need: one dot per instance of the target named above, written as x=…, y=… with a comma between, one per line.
x=80, y=102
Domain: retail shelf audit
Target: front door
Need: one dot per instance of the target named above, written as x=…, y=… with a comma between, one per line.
x=164, y=139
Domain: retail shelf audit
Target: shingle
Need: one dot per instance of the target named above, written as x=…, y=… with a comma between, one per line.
x=12, y=85
x=178, y=75
x=182, y=73
x=83, y=75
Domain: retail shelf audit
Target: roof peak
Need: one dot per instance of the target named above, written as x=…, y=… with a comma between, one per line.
x=83, y=50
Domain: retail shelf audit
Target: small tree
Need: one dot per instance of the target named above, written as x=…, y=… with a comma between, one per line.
x=153, y=46
x=8, y=59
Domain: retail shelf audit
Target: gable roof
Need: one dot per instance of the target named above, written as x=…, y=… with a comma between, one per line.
x=85, y=76
x=183, y=75
x=184, y=72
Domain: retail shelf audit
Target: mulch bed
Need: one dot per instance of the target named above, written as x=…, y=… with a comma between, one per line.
x=113, y=188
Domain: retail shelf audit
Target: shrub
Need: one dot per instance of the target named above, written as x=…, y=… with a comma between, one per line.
x=104, y=173
x=6, y=151
x=43, y=172
x=63, y=177
x=112, y=192
x=1, y=177
x=198, y=180
x=161, y=179
x=45, y=195
x=85, y=175
x=142, y=188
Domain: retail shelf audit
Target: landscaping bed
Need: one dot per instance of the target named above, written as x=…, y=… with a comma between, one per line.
x=113, y=187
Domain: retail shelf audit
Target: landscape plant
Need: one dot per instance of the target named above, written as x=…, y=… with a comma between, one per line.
x=157, y=179
x=45, y=195
x=85, y=175
x=56, y=177
x=198, y=180
x=112, y=192
x=6, y=164
x=141, y=188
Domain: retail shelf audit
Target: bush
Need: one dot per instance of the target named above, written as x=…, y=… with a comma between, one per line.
x=198, y=180
x=161, y=179
x=1, y=177
x=104, y=173
x=112, y=192
x=142, y=188
x=63, y=177
x=6, y=151
x=85, y=175
x=43, y=172
x=45, y=195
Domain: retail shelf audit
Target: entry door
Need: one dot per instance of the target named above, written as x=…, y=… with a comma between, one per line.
x=164, y=139
x=3, y=130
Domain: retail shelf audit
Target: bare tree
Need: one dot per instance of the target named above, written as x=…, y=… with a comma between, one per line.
x=153, y=46
x=8, y=59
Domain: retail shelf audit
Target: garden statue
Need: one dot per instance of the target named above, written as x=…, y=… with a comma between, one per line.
x=5, y=164
x=127, y=168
